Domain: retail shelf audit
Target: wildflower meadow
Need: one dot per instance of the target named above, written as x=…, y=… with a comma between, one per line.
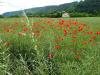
x=50, y=46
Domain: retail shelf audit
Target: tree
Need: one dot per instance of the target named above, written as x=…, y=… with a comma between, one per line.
x=1, y=16
x=89, y=6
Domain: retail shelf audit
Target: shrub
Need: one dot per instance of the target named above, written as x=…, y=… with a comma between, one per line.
x=76, y=14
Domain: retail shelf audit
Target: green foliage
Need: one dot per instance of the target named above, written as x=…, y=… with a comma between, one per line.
x=89, y=6
x=54, y=14
x=83, y=8
x=77, y=14
x=22, y=58
x=1, y=16
x=48, y=11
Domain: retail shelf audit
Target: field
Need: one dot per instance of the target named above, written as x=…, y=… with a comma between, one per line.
x=50, y=46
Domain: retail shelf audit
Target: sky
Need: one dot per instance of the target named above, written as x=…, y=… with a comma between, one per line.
x=13, y=5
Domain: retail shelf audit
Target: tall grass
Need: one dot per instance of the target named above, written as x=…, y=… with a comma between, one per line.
x=43, y=46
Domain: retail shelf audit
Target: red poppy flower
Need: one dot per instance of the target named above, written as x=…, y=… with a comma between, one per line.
x=84, y=42
x=75, y=23
x=74, y=32
x=57, y=47
x=16, y=24
x=7, y=30
x=68, y=26
x=65, y=32
x=61, y=22
x=93, y=37
x=37, y=33
x=98, y=33
x=50, y=56
x=25, y=29
x=73, y=41
x=60, y=38
x=77, y=57
x=74, y=36
x=91, y=40
x=80, y=28
x=90, y=32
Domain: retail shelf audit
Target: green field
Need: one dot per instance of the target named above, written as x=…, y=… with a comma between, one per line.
x=50, y=46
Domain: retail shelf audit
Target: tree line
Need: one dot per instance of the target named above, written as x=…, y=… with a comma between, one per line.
x=84, y=8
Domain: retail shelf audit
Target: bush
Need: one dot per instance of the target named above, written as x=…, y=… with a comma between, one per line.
x=76, y=14
x=54, y=15
x=1, y=16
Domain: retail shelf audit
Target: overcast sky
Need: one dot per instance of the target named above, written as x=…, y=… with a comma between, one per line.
x=12, y=5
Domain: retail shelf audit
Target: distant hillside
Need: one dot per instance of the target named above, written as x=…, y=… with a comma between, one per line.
x=44, y=10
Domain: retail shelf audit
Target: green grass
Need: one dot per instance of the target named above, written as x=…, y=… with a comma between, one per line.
x=47, y=48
